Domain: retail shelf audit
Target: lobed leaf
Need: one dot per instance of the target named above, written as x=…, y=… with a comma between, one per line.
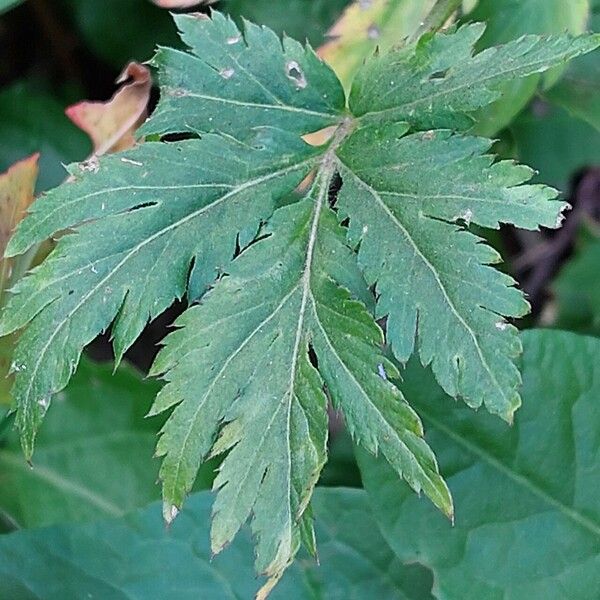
x=248, y=210
x=404, y=197
x=252, y=387
x=231, y=82
x=437, y=81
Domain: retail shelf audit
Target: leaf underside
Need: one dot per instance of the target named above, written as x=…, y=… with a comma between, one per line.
x=244, y=218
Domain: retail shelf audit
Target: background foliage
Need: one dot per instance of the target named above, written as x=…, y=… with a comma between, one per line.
x=527, y=519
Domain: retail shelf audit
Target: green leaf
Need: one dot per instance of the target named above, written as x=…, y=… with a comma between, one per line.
x=365, y=28
x=554, y=143
x=251, y=371
x=291, y=314
x=230, y=83
x=92, y=457
x=407, y=217
x=31, y=120
x=527, y=521
x=135, y=558
x=577, y=290
x=507, y=20
x=433, y=84
x=578, y=92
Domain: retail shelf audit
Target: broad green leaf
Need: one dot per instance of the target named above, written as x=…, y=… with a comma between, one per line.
x=579, y=90
x=507, y=20
x=93, y=456
x=527, y=521
x=32, y=121
x=364, y=28
x=577, y=290
x=135, y=558
x=291, y=314
x=556, y=144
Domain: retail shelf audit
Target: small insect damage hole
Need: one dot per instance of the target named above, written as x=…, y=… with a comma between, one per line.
x=312, y=357
x=438, y=75
x=91, y=165
x=334, y=187
x=295, y=74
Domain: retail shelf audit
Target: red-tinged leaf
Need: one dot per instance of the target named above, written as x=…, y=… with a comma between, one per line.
x=17, y=186
x=112, y=124
x=180, y=3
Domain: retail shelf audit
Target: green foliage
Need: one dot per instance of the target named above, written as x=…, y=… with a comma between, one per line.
x=147, y=25
x=92, y=457
x=544, y=127
x=579, y=90
x=34, y=121
x=527, y=521
x=560, y=134
x=135, y=558
x=507, y=20
x=577, y=290
x=291, y=313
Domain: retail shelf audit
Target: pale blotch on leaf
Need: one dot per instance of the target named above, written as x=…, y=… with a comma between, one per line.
x=227, y=73
x=295, y=74
x=91, y=165
x=373, y=32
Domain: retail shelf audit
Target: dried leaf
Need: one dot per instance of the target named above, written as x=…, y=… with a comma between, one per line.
x=112, y=124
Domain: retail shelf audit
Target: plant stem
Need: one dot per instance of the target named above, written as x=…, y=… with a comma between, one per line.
x=442, y=10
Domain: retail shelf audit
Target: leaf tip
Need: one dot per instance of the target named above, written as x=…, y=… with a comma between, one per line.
x=170, y=512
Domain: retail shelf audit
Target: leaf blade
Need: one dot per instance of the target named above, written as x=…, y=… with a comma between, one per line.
x=539, y=478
